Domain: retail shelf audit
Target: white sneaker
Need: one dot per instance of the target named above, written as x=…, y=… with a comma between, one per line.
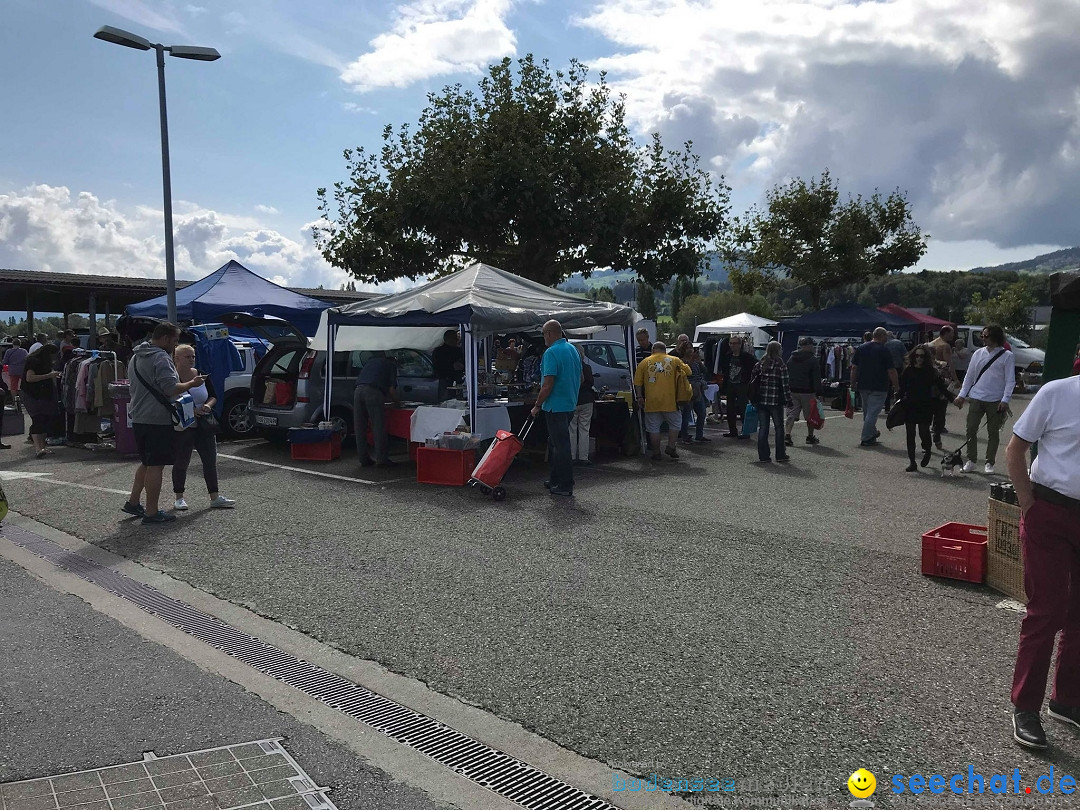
x=180, y=505
x=221, y=502
x=969, y=466
x=989, y=468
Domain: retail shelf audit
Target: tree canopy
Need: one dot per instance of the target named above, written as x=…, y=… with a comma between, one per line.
x=699, y=309
x=536, y=172
x=808, y=235
x=1010, y=309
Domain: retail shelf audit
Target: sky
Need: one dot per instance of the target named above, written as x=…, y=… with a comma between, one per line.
x=971, y=107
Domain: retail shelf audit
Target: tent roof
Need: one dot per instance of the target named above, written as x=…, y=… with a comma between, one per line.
x=231, y=288
x=489, y=299
x=922, y=320
x=744, y=320
x=846, y=319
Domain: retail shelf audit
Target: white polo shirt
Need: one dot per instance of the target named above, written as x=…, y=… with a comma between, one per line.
x=1053, y=420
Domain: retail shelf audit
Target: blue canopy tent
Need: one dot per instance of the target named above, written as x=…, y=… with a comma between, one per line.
x=234, y=288
x=843, y=320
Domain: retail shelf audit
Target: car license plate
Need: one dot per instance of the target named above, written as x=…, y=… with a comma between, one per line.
x=269, y=421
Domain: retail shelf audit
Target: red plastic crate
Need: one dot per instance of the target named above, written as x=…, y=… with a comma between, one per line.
x=318, y=451
x=450, y=468
x=955, y=551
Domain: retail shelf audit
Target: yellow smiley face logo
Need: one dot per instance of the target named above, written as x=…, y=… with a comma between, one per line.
x=862, y=784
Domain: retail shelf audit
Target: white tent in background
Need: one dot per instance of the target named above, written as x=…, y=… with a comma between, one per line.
x=743, y=323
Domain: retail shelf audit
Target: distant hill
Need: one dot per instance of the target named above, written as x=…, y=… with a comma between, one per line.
x=715, y=271
x=1056, y=262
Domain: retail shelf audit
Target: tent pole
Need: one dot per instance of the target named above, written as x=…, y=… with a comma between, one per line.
x=635, y=412
x=471, y=377
x=328, y=372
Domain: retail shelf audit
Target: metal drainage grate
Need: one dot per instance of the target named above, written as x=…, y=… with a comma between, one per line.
x=497, y=771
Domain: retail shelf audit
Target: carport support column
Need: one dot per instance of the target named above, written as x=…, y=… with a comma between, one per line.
x=92, y=342
x=30, y=316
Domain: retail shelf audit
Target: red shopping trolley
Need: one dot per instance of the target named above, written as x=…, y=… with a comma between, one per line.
x=488, y=475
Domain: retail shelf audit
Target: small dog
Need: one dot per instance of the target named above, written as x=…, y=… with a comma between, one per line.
x=951, y=462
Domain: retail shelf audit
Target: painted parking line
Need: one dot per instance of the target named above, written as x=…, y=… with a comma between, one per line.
x=46, y=478
x=311, y=472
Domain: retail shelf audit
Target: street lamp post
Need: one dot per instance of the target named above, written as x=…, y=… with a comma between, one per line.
x=129, y=40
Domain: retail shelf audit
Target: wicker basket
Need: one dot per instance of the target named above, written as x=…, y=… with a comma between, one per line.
x=1004, y=561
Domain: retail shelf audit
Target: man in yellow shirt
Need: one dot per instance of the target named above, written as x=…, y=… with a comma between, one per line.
x=655, y=380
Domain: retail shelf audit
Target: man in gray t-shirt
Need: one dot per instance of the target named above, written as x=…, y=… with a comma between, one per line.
x=151, y=418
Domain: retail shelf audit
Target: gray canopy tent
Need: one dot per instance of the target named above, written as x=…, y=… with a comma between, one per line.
x=480, y=300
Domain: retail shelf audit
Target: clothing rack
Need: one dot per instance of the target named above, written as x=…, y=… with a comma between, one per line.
x=95, y=353
x=84, y=437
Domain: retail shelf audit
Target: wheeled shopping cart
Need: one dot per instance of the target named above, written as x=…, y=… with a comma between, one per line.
x=488, y=475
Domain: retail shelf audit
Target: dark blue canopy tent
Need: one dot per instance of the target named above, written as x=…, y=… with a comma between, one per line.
x=234, y=288
x=843, y=320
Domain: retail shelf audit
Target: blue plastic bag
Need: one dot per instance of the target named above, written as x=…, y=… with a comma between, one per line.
x=749, y=420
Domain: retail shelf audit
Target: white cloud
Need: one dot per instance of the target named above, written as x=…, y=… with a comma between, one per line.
x=969, y=104
x=266, y=209
x=435, y=38
x=159, y=16
x=353, y=107
x=47, y=228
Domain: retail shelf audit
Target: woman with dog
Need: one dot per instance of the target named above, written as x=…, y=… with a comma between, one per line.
x=921, y=388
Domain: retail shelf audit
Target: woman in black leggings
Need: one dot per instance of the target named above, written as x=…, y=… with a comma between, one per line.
x=201, y=437
x=921, y=387
x=39, y=395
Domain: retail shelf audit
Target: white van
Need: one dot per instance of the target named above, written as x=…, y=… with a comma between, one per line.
x=1029, y=360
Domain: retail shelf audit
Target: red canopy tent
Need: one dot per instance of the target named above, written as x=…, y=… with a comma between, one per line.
x=928, y=322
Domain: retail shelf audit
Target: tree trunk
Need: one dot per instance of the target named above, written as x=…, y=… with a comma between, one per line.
x=815, y=297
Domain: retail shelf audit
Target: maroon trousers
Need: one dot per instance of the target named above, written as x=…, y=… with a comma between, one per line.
x=1051, y=548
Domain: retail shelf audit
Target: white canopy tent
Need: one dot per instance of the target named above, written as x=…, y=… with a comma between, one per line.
x=743, y=322
x=481, y=300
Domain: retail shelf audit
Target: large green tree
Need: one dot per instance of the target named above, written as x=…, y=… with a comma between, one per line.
x=646, y=301
x=535, y=172
x=1010, y=309
x=699, y=309
x=807, y=234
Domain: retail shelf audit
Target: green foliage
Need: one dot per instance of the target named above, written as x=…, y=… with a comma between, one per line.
x=1010, y=309
x=698, y=309
x=807, y=235
x=50, y=326
x=646, y=301
x=605, y=294
x=947, y=295
x=535, y=172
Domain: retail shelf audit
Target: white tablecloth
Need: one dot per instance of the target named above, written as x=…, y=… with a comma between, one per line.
x=428, y=421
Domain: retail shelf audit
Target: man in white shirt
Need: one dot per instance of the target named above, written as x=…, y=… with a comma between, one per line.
x=1050, y=507
x=988, y=387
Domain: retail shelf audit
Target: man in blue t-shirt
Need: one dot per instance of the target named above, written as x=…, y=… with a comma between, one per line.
x=560, y=368
x=872, y=374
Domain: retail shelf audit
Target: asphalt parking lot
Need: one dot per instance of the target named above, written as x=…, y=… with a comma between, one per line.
x=708, y=617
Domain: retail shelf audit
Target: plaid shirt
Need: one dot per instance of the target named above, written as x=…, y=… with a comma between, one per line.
x=775, y=385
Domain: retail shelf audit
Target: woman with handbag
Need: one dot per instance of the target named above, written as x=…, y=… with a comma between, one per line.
x=922, y=387
x=696, y=406
x=201, y=437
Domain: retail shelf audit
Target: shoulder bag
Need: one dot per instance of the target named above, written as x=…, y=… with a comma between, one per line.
x=684, y=392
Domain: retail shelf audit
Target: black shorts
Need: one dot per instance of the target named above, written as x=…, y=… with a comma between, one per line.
x=155, y=443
